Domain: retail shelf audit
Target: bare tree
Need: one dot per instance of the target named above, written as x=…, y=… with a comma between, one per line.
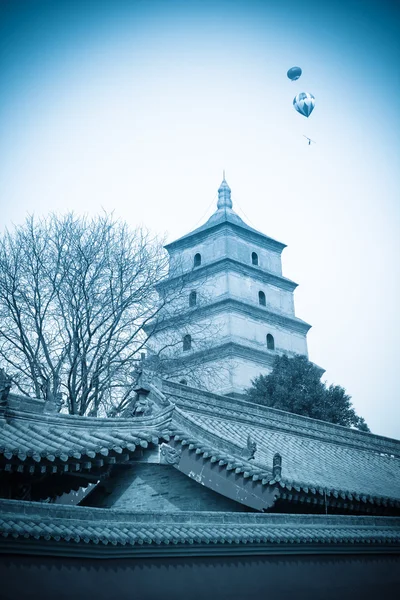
x=75, y=295
x=78, y=305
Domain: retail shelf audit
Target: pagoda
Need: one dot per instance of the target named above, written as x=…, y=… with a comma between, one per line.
x=238, y=307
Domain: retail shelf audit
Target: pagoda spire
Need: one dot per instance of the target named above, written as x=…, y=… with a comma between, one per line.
x=224, y=195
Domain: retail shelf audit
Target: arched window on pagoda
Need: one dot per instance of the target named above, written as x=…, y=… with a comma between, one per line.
x=261, y=298
x=270, y=342
x=254, y=258
x=187, y=342
x=192, y=298
x=197, y=260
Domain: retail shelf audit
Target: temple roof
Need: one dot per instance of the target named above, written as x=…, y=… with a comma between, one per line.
x=320, y=462
x=65, y=437
x=262, y=458
x=224, y=215
x=317, y=457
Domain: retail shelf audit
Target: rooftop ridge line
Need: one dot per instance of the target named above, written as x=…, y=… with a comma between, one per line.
x=226, y=403
x=24, y=509
x=321, y=436
x=77, y=421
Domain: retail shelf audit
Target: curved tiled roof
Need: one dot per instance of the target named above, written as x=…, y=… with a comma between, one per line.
x=75, y=450
x=243, y=411
x=64, y=436
x=314, y=464
x=38, y=523
x=318, y=459
x=321, y=463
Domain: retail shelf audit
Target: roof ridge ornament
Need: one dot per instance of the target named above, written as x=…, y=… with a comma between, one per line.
x=277, y=466
x=52, y=400
x=5, y=386
x=251, y=447
x=170, y=455
x=224, y=195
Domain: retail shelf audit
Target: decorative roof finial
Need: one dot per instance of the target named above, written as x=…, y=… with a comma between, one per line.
x=224, y=194
x=5, y=386
x=277, y=466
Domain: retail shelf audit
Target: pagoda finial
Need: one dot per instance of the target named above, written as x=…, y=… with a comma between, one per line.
x=224, y=194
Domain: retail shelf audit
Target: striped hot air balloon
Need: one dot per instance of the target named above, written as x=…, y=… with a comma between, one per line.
x=304, y=103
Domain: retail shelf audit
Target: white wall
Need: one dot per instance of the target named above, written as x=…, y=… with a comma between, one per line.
x=244, y=372
x=205, y=333
x=244, y=328
x=213, y=248
x=222, y=244
x=246, y=288
x=241, y=287
x=218, y=381
x=231, y=375
x=242, y=250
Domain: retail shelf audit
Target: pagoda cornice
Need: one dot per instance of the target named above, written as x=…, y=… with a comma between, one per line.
x=237, y=350
x=232, y=265
x=232, y=350
x=254, y=311
x=244, y=231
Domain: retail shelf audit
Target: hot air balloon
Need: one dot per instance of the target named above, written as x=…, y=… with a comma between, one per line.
x=294, y=73
x=304, y=103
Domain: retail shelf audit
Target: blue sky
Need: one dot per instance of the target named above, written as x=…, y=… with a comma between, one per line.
x=137, y=107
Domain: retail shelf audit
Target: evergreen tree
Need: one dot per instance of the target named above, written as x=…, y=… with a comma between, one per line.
x=294, y=385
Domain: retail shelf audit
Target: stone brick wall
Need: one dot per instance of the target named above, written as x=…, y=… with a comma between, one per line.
x=153, y=487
